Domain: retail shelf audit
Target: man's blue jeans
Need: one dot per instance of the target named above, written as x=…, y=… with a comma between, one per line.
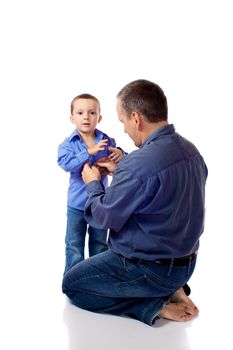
x=75, y=238
x=110, y=283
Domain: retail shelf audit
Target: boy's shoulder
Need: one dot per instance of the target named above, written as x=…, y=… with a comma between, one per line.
x=104, y=135
x=74, y=136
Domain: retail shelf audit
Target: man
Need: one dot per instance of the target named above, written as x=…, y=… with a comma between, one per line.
x=154, y=210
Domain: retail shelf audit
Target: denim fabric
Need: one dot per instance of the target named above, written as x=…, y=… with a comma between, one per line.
x=75, y=238
x=110, y=283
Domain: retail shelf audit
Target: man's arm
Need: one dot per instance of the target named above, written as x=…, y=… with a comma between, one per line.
x=112, y=207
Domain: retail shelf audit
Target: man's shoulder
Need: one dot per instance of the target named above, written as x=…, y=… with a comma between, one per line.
x=139, y=163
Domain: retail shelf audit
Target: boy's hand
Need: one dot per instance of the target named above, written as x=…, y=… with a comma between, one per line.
x=100, y=146
x=116, y=154
x=90, y=173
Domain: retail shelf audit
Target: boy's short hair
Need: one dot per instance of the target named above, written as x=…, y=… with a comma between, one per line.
x=85, y=96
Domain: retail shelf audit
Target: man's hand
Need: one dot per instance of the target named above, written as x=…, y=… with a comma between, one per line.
x=100, y=146
x=107, y=166
x=90, y=173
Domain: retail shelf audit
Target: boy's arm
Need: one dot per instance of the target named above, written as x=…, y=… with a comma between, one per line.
x=70, y=160
x=100, y=146
x=117, y=153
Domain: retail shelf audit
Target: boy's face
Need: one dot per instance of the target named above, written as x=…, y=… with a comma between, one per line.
x=86, y=115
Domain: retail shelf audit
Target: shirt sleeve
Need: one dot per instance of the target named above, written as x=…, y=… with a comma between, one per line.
x=110, y=208
x=71, y=160
x=113, y=144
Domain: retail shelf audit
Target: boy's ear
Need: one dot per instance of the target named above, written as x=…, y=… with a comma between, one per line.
x=100, y=118
x=72, y=119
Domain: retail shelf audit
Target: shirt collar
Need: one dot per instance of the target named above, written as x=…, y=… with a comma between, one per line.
x=98, y=135
x=164, y=130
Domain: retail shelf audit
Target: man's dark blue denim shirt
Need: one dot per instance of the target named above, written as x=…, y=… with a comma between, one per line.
x=155, y=205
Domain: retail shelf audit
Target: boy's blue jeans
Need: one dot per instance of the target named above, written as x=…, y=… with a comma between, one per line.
x=75, y=238
x=110, y=283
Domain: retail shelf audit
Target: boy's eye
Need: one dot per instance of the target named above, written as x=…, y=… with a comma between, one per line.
x=93, y=113
x=80, y=113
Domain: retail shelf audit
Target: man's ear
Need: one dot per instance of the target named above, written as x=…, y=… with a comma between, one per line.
x=137, y=120
x=100, y=118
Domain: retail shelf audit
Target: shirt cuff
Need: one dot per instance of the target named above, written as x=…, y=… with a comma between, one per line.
x=94, y=187
x=124, y=153
x=90, y=157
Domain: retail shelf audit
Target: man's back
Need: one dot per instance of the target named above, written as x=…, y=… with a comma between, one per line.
x=163, y=213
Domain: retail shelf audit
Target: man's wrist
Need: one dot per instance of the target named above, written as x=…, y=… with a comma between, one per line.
x=94, y=186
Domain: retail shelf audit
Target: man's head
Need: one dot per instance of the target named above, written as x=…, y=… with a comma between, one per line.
x=145, y=97
x=85, y=113
x=142, y=107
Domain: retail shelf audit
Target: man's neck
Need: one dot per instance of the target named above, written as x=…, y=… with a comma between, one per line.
x=150, y=128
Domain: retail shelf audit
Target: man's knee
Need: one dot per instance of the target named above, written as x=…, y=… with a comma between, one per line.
x=72, y=280
x=78, y=297
x=65, y=285
x=68, y=283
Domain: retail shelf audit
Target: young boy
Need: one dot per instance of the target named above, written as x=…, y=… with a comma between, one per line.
x=85, y=144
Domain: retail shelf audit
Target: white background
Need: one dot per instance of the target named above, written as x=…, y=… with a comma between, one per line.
x=50, y=52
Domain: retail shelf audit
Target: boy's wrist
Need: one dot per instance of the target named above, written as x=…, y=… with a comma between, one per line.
x=90, y=151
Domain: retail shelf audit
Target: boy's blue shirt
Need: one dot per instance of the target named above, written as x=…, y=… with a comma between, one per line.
x=72, y=155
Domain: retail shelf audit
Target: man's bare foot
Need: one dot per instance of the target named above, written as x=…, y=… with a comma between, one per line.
x=177, y=312
x=180, y=297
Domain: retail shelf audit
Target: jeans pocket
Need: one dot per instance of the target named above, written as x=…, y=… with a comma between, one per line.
x=142, y=287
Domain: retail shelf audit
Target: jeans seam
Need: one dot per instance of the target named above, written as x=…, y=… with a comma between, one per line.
x=147, y=308
x=91, y=276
